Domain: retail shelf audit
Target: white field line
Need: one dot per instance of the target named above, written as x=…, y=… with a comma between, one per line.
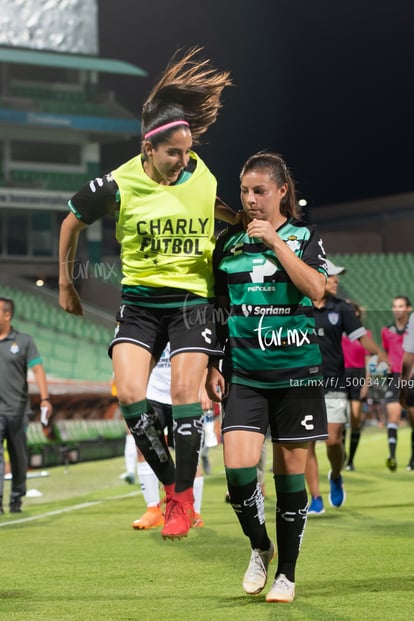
x=83, y=505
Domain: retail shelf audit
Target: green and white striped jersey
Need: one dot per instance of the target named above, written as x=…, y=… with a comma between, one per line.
x=271, y=340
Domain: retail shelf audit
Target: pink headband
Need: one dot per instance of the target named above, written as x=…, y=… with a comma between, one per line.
x=162, y=128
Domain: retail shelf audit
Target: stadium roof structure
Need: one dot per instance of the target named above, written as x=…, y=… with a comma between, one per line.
x=25, y=56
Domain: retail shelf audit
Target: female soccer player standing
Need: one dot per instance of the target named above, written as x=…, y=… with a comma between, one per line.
x=266, y=277
x=164, y=202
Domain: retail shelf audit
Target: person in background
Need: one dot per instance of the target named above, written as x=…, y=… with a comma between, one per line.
x=266, y=275
x=333, y=317
x=392, y=341
x=164, y=201
x=356, y=384
x=18, y=354
x=406, y=395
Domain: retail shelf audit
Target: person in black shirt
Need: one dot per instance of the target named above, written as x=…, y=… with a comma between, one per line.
x=18, y=354
x=333, y=317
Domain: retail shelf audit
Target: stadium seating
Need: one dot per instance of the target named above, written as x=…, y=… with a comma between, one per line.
x=53, y=179
x=373, y=280
x=75, y=440
x=39, y=447
x=71, y=347
x=49, y=180
x=60, y=101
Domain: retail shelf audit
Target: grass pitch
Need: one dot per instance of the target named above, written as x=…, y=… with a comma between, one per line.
x=72, y=554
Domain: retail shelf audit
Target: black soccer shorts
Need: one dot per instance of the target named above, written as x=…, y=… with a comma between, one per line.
x=188, y=329
x=294, y=414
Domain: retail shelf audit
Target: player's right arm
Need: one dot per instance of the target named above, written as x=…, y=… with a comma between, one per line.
x=96, y=199
x=68, y=242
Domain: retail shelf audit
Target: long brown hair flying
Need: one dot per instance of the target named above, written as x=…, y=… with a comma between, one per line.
x=189, y=90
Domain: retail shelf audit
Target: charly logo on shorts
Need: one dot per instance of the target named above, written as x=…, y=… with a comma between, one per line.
x=307, y=422
x=333, y=318
x=207, y=335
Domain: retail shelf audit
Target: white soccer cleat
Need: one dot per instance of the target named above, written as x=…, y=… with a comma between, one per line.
x=255, y=577
x=282, y=590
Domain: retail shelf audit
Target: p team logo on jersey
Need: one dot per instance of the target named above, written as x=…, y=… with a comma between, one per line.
x=262, y=267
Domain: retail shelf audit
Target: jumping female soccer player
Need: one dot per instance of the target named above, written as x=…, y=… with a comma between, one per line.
x=164, y=202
